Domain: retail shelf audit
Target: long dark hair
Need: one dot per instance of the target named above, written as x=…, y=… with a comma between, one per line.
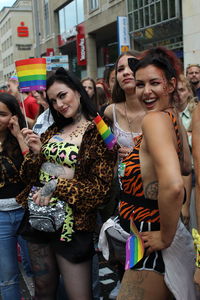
x=10, y=145
x=63, y=76
x=118, y=94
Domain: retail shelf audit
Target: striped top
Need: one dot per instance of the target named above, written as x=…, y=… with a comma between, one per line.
x=134, y=204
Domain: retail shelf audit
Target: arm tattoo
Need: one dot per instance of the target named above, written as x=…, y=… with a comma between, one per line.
x=49, y=188
x=151, y=190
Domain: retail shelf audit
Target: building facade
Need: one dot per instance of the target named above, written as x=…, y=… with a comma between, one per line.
x=85, y=30
x=16, y=37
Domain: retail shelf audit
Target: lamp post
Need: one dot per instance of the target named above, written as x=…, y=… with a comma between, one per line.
x=36, y=25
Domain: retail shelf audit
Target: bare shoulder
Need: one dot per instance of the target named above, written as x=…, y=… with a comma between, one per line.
x=155, y=120
x=196, y=117
x=108, y=113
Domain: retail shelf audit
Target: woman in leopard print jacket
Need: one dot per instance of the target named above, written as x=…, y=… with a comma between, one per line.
x=84, y=168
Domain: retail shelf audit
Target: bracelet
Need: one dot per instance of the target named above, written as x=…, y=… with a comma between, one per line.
x=196, y=240
x=25, y=152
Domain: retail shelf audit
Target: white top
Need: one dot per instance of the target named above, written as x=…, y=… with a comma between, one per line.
x=124, y=138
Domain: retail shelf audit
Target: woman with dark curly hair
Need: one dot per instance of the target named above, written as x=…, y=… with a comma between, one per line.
x=153, y=189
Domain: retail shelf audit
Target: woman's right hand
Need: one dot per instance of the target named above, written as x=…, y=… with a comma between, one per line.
x=32, y=140
x=124, y=151
x=152, y=241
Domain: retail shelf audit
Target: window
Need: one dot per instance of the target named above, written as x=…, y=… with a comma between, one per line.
x=46, y=18
x=71, y=15
x=94, y=4
x=151, y=12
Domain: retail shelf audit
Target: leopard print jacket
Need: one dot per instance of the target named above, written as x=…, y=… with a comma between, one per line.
x=91, y=185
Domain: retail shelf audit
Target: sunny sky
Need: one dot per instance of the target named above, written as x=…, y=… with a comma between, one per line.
x=6, y=3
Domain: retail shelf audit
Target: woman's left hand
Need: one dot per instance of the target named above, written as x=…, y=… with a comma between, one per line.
x=41, y=200
x=152, y=241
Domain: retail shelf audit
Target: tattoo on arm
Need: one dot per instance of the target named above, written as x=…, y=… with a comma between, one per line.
x=49, y=188
x=151, y=190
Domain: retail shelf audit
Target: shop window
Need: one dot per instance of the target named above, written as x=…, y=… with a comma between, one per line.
x=172, y=9
x=136, y=20
x=130, y=21
x=71, y=15
x=141, y=18
x=134, y=3
x=158, y=12
x=130, y=5
x=146, y=13
x=165, y=9
x=152, y=14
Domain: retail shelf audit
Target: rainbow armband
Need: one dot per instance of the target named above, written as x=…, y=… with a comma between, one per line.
x=196, y=240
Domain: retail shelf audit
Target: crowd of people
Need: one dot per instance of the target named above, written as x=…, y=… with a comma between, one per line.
x=60, y=183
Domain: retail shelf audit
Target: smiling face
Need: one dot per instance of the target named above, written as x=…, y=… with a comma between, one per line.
x=125, y=76
x=88, y=85
x=64, y=100
x=153, y=89
x=5, y=116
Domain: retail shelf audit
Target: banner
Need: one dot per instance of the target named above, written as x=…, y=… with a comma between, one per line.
x=123, y=34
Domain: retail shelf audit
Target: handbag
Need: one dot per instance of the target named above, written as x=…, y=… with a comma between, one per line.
x=47, y=218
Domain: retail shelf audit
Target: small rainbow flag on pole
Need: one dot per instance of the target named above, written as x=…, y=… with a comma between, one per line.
x=31, y=74
x=105, y=132
x=134, y=247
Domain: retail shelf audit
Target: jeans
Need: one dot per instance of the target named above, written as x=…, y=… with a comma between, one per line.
x=26, y=263
x=9, y=270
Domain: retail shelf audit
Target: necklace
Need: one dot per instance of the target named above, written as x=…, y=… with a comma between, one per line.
x=78, y=131
x=134, y=137
x=128, y=121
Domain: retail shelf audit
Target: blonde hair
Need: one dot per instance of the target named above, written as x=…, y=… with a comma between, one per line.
x=192, y=100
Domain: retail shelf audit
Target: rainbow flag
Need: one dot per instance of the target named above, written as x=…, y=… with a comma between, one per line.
x=134, y=247
x=105, y=132
x=31, y=74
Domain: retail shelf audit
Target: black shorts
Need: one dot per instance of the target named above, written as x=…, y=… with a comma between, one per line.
x=79, y=249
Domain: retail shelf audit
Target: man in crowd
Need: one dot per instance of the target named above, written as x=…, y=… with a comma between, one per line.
x=193, y=75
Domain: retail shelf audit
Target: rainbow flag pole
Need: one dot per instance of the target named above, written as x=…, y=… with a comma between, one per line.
x=105, y=132
x=134, y=247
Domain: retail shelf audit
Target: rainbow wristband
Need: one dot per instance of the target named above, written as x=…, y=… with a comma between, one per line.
x=196, y=240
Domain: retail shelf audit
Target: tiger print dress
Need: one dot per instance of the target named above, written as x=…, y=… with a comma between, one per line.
x=134, y=205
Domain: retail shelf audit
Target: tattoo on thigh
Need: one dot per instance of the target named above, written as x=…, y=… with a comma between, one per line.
x=151, y=190
x=39, y=261
x=131, y=291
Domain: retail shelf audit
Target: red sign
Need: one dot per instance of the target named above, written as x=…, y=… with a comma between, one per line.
x=22, y=31
x=81, y=49
x=50, y=52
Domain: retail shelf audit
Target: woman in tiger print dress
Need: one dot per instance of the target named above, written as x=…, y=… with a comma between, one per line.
x=152, y=184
